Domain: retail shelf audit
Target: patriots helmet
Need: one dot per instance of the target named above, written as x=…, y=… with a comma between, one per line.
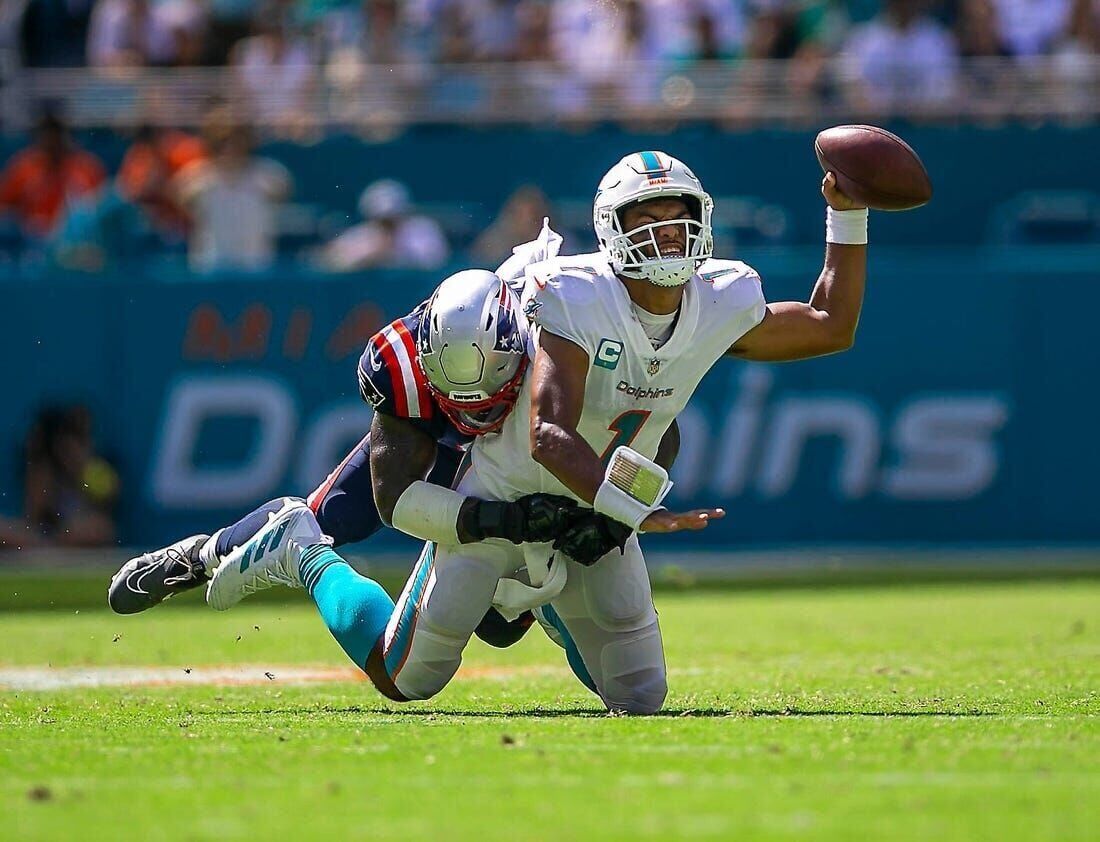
x=472, y=349
x=635, y=254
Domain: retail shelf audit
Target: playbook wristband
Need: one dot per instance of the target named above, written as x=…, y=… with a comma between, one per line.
x=847, y=227
x=632, y=489
x=429, y=512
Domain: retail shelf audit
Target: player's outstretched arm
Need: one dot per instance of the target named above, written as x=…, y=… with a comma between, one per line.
x=794, y=330
x=557, y=398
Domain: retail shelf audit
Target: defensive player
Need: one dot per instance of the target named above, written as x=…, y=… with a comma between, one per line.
x=623, y=338
x=419, y=433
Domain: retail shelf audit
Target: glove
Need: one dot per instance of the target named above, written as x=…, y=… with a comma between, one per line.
x=532, y=519
x=592, y=537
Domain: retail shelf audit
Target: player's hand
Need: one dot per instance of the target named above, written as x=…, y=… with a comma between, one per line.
x=663, y=520
x=835, y=196
x=592, y=537
x=545, y=517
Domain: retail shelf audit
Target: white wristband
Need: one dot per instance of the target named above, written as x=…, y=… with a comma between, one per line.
x=633, y=487
x=846, y=227
x=429, y=512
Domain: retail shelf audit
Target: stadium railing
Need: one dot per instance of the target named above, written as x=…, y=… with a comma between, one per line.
x=736, y=93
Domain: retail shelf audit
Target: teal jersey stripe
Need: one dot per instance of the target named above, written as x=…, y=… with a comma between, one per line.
x=402, y=638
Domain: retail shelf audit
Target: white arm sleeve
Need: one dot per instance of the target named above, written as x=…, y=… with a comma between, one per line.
x=429, y=512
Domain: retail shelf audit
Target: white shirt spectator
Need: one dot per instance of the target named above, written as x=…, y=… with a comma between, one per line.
x=671, y=26
x=137, y=32
x=1030, y=27
x=275, y=75
x=234, y=212
x=912, y=65
x=392, y=236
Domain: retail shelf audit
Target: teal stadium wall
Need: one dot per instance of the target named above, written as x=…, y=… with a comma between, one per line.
x=966, y=412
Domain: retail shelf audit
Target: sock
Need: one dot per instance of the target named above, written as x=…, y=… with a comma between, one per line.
x=355, y=609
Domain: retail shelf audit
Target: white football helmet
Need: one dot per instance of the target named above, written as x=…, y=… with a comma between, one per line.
x=652, y=175
x=473, y=349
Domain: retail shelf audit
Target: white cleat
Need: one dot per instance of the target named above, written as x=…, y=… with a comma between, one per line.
x=271, y=557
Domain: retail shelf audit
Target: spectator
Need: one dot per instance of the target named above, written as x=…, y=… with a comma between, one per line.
x=233, y=198
x=1031, y=27
x=40, y=181
x=694, y=30
x=1081, y=37
x=519, y=221
x=54, y=33
x=495, y=29
x=901, y=58
x=153, y=160
x=392, y=235
x=70, y=489
x=274, y=71
x=134, y=33
x=977, y=29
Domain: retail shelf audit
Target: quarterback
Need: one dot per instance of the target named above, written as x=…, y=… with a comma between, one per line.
x=419, y=434
x=621, y=339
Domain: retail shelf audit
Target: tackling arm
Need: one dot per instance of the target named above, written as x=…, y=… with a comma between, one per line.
x=793, y=330
x=400, y=454
x=401, y=457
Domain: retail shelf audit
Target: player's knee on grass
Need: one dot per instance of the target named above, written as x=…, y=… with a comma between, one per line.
x=641, y=692
x=632, y=673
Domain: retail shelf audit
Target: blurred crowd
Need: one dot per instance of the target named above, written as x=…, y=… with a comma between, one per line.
x=205, y=193
x=69, y=489
x=211, y=196
x=280, y=50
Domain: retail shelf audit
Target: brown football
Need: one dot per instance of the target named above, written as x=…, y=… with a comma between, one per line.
x=874, y=167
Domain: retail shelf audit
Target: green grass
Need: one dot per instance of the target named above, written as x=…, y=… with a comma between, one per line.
x=930, y=712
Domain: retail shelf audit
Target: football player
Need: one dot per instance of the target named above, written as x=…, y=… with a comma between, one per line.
x=623, y=337
x=424, y=422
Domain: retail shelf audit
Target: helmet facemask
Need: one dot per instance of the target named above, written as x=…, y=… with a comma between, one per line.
x=637, y=253
x=475, y=413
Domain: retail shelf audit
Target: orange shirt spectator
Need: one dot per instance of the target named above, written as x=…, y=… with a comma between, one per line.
x=148, y=168
x=39, y=180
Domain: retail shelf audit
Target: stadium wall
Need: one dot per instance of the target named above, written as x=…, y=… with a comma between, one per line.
x=964, y=413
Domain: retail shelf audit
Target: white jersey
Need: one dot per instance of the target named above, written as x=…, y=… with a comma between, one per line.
x=633, y=393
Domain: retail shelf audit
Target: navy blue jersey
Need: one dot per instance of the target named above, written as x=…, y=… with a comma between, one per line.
x=391, y=381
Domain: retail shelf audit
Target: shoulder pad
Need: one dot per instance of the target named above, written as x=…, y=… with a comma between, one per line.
x=390, y=379
x=722, y=272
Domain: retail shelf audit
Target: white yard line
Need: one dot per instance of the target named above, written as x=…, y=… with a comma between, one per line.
x=61, y=678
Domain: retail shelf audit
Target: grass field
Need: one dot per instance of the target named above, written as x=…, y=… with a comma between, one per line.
x=946, y=712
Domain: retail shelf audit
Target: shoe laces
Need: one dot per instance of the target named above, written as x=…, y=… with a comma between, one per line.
x=184, y=561
x=266, y=575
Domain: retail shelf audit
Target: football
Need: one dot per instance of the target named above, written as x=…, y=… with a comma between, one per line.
x=874, y=167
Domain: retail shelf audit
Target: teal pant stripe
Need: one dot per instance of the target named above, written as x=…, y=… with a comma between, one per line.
x=572, y=654
x=402, y=639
